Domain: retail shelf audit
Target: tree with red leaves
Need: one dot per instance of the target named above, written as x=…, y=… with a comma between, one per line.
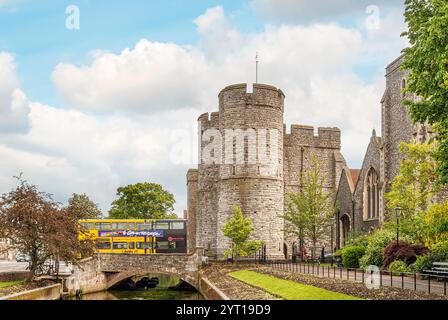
x=39, y=227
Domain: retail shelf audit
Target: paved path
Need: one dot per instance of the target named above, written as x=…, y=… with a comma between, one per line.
x=406, y=282
x=12, y=266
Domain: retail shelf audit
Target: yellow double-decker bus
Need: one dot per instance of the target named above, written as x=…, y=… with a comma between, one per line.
x=135, y=236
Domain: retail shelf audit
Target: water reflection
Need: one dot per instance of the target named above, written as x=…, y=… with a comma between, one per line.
x=150, y=294
x=161, y=292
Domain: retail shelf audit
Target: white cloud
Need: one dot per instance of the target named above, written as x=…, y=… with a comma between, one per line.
x=14, y=106
x=124, y=111
x=151, y=77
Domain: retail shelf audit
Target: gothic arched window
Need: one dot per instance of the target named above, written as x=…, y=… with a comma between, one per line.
x=371, y=195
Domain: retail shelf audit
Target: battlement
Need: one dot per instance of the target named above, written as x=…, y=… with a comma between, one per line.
x=209, y=120
x=262, y=95
x=305, y=135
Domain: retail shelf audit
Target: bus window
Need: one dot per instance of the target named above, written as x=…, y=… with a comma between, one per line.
x=162, y=226
x=123, y=226
x=177, y=226
x=103, y=226
x=120, y=226
x=131, y=226
x=120, y=245
x=144, y=245
x=131, y=245
x=101, y=244
x=144, y=226
x=88, y=225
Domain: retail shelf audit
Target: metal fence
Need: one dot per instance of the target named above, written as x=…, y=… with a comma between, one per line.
x=373, y=278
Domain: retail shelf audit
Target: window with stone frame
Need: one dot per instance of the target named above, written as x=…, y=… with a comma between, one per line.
x=371, y=195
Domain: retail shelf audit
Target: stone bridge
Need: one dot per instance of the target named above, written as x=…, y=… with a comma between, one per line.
x=106, y=270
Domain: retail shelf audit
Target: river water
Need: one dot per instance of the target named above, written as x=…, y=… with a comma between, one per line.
x=161, y=292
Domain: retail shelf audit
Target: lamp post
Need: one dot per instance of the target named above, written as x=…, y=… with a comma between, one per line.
x=398, y=211
x=332, y=221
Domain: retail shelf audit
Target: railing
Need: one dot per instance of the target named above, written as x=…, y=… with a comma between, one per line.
x=380, y=278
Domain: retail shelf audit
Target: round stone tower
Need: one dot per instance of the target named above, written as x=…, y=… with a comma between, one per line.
x=251, y=173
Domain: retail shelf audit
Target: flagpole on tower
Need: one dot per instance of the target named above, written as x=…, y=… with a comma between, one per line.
x=256, y=67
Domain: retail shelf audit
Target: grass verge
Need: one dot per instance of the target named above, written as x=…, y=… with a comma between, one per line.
x=287, y=290
x=10, y=284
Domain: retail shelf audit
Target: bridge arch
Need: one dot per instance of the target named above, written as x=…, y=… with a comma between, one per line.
x=113, y=279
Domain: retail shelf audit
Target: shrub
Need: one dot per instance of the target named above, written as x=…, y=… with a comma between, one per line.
x=351, y=256
x=398, y=267
x=357, y=240
x=438, y=254
x=377, y=241
x=402, y=251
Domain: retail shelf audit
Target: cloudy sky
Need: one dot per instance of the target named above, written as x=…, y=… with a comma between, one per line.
x=116, y=101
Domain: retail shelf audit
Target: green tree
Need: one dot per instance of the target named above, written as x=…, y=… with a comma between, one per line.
x=143, y=201
x=427, y=61
x=310, y=210
x=84, y=207
x=414, y=189
x=436, y=224
x=238, y=229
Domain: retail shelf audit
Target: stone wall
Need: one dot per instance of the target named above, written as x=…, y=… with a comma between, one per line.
x=344, y=206
x=372, y=159
x=210, y=291
x=87, y=276
x=300, y=146
x=397, y=125
x=52, y=292
x=106, y=270
x=192, y=198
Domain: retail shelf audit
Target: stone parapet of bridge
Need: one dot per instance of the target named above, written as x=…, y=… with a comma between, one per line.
x=118, y=267
x=104, y=271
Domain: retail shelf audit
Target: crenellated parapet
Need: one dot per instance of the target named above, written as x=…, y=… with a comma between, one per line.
x=262, y=95
x=209, y=120
x=302, y=135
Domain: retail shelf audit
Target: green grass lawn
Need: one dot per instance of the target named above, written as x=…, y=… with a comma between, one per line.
x=288, y=290
x=10, y=284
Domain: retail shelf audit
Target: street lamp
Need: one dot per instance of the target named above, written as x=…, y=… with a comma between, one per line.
x=398, y=211
x=332, y=221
